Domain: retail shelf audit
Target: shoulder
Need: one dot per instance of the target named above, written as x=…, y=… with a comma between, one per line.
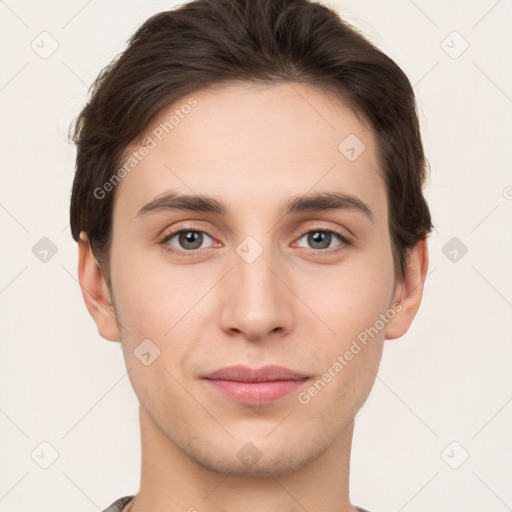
x=119, y=504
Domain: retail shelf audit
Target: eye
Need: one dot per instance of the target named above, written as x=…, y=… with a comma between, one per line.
x=191, y=240
x=321, y=238
x=188, y=239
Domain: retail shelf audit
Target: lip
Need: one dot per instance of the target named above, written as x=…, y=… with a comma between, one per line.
x=255, y=386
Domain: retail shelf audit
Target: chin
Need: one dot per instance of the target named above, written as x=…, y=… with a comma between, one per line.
x=253, y=462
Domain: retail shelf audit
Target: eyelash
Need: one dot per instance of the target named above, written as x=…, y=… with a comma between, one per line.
x=169, y=235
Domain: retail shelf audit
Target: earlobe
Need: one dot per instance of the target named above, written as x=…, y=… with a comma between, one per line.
x=409, y=292
x=95, y=291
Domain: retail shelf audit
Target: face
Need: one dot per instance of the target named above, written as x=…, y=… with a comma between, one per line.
x=253, y=282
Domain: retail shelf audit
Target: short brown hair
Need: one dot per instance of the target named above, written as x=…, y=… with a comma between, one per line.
x=207, y=43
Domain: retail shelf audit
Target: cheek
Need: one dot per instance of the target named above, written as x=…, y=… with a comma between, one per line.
x=153, y=296
x=163, y=305
x=348, y=303
x=147, y=295
x=347, y=298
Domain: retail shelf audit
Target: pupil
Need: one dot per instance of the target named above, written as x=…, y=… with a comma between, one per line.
x=191, y=237
x=319, y=237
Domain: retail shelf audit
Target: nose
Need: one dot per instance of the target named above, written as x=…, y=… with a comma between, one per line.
x=254, y=299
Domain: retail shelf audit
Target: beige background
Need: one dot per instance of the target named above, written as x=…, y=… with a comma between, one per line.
x=448, y=380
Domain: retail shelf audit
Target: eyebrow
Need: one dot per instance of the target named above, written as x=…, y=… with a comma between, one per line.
x=323, y=201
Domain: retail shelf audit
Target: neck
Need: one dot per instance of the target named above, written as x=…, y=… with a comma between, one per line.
x=172, y=480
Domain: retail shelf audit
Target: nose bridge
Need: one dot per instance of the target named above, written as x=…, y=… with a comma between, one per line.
x=255, y=301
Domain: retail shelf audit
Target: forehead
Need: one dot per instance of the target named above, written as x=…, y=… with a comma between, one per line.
x=255, y=145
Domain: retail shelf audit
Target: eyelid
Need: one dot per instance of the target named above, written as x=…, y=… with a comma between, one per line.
x=345, y=240
x=170, y=233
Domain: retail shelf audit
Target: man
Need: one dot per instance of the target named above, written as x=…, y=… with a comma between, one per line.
x=251, y=227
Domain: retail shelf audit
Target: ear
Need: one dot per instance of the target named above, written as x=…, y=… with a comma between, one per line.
x=95, y=291
x=409, y=292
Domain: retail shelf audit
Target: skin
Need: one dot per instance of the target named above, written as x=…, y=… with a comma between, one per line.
x=253, y=147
